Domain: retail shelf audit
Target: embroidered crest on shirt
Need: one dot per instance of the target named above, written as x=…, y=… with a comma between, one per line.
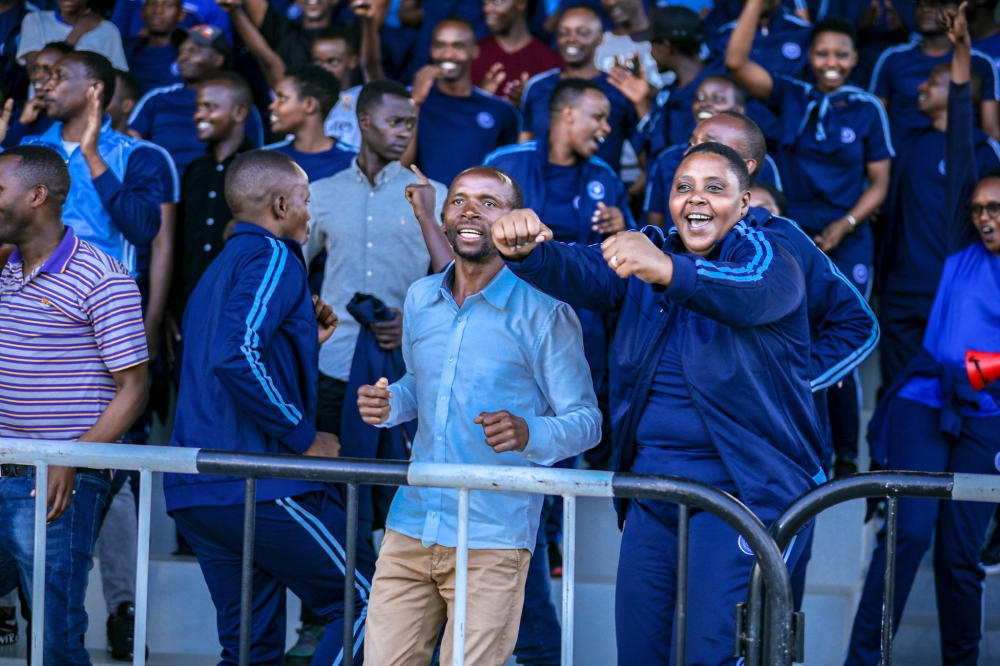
x=847, y=135
x=484, y=119
x=791, y=50
x=595, y=190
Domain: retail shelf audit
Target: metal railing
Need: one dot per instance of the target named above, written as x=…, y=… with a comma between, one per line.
x=769, y=567
x=891, y=486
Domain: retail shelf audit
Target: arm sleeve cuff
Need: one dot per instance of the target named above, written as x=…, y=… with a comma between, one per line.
x=539, y=434
x=301, y=437
x=107, y=186
x=532, y=262
x=685, y=278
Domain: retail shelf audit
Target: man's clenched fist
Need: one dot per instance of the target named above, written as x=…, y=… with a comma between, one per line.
x=504, y=431
x=373, y=402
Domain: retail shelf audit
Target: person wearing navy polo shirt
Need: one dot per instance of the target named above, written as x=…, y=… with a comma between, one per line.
x=901, y=69
x=984, y=28
x=164, y=115
x=835, y=139
x=677, y=39
x=932, y=419
x=912, y=254
x=152, y=56
x=248, y=383
x=457, y=124
x=699, y=293
x=717, y=96
x=114, y=201
x=577, y=36
x=302, y=101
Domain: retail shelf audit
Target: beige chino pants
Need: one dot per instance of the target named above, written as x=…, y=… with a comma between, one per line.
x=413, y=594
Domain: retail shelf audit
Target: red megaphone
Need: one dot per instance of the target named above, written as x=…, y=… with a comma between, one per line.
x=983, y=368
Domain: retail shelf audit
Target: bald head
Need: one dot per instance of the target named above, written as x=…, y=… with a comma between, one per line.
x=733, y=129
x=269, y=189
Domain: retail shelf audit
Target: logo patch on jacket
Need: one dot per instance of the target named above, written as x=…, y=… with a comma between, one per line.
x=484, y=120
x=595, y=190
x=791, y=50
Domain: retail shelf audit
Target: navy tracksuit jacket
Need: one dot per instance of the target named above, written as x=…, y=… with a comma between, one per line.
x=745, y=355
x=249, y=384
x=908, y=434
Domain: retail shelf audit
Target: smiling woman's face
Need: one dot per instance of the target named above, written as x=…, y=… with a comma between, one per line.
x=706, y=201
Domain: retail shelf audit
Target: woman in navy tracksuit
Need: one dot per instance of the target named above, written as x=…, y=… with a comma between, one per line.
x=833, y=155
x=932, y=419
x=709, y=380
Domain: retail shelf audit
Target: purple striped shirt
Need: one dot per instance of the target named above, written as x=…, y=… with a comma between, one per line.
x=63, y=331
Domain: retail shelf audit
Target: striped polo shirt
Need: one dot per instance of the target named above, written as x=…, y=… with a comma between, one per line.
x=63, y=331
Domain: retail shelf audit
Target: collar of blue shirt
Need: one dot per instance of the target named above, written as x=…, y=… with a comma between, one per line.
x=496, y=293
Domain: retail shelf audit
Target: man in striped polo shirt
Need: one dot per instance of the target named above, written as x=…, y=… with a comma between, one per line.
x=72, y=367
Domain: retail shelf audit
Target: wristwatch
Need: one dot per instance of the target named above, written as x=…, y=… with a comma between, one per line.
x=852, y=221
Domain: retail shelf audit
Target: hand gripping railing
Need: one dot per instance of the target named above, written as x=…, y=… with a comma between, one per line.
x=466, y=478
x=892, y=486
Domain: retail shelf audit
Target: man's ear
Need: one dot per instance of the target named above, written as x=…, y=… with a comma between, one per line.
x=751, y=165
x=279, y=207
x=127, y=107
x=364, y=121
x=745, y=204
x=220, y=60
x=312, y=106
x=241, y=113
x=39, y=195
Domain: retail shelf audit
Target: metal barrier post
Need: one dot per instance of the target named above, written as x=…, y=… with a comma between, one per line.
x=350, y=563
x=569, y=578
x=246, y=582
x=889, y=580
x=461, y=579
x=142, y=568
x=38, y=567
x=680, y=621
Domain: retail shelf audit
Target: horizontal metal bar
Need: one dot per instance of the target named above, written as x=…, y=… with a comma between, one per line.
x=976, y=488
x=512, y=479
x=99, y=456
x=308, y=468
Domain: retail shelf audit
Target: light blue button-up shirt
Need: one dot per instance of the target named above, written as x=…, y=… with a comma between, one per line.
x=508, y=347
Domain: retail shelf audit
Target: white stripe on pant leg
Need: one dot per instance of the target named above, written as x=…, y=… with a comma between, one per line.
x=333, y=541
x=359, y=623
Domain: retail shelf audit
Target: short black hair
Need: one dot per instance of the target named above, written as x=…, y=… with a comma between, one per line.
x=569, y=91
x=317, y=82
x=739, y=92
x=372, y=93
x=517, y=194
x=736, y=163
x=461, y=21
x=756, y=145
x=776, y=194
x=63, y=47
x=835, y=24
x=129, y=85
x=330, y=34
x=98, y=68
x=582, y=7
x=242, y=93
x=41, y=166
x=255, y=176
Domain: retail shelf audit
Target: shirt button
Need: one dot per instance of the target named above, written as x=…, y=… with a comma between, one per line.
x=369, y=218
x=371, y=194
x=369, y=244
x=211, y=195
x=439, y=438
x=208, y=247
x=460, y=317
x=210, y=221
x=369, y=273
x=444, y=398
x=433, y=514
x=219, y=167
x=451, y=359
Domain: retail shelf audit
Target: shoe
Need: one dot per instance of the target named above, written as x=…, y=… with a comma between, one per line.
x=8, y=627
x=121, y=632
x=555, y=561
x=844, y=465
x=302, y=652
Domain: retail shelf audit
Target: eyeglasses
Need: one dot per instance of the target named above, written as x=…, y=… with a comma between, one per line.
x=992, y=209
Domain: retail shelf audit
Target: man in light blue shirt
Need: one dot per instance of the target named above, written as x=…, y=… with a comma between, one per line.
x=497, y=375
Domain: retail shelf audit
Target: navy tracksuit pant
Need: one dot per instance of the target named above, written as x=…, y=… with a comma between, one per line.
x=903, y=320
x=719, y=563
x=916, y=443
x=299, y=545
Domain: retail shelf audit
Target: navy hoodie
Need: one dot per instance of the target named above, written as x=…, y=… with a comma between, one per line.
x=250, y=371
x=745, y=351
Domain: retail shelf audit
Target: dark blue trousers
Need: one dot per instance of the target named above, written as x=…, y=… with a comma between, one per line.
x=719, y=565
x=917, y=444
x=903, y=320
x=298, y=546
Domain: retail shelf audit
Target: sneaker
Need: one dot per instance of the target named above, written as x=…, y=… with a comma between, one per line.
x=121, y=632
x=844, y=465
x=302, y=652
x=8, y=626
x=555, y=561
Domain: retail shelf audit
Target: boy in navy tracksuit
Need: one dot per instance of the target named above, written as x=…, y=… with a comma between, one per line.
x=716, y=288
x=932, y=419
x=249, y=383
x=912, y=253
